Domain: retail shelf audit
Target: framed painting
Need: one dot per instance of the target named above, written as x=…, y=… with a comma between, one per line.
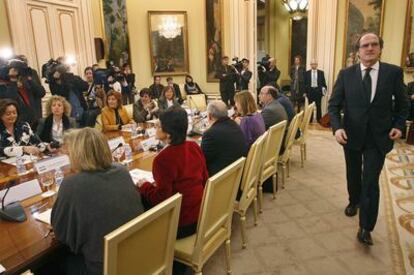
x=168, y=42
x=298, y=35
x=116, y=31
x=407, y=61
x=361, y=16
x=214, y=37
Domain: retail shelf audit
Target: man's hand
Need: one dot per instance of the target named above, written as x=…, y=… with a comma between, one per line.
x=395, y=134
x=341, y=136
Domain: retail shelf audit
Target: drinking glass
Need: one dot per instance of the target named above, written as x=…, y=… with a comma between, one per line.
x=47, y=180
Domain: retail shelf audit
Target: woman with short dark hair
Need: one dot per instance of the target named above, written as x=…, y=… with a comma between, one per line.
x=179, y=168
x=145, y=108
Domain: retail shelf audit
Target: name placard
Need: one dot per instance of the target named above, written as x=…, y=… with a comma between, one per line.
x=151, y=132
x=52, y=163
x=113, y=143
x=148, y=143
x=22, y=191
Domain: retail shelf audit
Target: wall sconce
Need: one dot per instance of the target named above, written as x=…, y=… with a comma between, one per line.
x=296, y=8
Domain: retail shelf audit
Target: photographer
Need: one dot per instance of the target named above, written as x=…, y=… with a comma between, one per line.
x=227, y=76
x=271, y=75
x=71, y=87
x=128, y=85
x=243, y=76
x=17, y=83
x=95, y=97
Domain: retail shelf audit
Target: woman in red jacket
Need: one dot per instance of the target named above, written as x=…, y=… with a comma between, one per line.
x=179, y=167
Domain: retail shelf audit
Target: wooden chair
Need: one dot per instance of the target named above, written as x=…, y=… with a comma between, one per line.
x=197, y=102
x=144, y=245
x=248, y=186
x=289, y=139
x=304, y=125
x=271, y=152
x=129, y=110
x=214, y=223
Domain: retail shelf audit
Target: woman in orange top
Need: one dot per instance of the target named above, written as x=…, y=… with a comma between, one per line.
x=114, y=115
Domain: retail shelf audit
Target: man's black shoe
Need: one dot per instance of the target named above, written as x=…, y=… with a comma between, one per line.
x=364, y=236
x=351, y=210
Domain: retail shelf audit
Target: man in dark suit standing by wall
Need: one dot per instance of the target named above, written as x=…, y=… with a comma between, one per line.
x=370, y=125
x=314, y=86
x=224, y=142
x=297, y=86
x=227, y=76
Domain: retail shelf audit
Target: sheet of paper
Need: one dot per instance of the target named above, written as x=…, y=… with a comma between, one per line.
x=44, y=216
x=151, y=132
x=22, y=191
x=26, y=159
x=2, y=269
x=148, y=143
x=53, y=163
x=113, y=143
x=137, y=174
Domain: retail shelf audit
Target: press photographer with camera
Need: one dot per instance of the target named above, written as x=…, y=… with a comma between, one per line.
x=64, y=83
x=95, y=97
x=243, y=75
x=128, y=84
x=17, y=83
x=272, y=74
x=227, y=76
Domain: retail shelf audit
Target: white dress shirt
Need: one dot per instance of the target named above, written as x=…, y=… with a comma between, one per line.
x=374, y=77
x=314, y=78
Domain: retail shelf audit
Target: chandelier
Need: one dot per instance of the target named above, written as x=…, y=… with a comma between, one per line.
x=169, y=27
x=296, y=8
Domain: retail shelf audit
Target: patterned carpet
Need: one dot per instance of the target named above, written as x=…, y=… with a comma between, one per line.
x=398, y=186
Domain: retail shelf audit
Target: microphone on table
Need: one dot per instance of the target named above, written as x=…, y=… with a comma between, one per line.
x=117, y=147
x=14, y=211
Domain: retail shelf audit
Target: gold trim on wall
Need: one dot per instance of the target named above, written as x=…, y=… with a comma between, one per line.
x=381, y=28
x=407, y=37
x=185, y=38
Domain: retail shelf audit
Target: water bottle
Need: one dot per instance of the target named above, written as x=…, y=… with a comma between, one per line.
x=133, y=130
x=20, y=167
x=59, y=176
x=128, y=152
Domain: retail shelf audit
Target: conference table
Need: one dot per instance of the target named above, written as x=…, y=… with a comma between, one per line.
x=27, y=244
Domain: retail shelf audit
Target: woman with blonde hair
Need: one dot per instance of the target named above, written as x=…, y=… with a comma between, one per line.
x=57, y=121
x=93, y=202
x=114, y=115
x=250, y=121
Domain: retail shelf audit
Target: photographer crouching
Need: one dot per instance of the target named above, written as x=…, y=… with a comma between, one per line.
x=17, y=82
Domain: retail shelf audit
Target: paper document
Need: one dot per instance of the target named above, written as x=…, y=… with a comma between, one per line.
x=26, y=159
x=21, y=191
x=2, y=269
x=138, y=174
x=44, y=216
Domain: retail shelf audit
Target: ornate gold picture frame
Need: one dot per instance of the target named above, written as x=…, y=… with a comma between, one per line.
x=407, y=56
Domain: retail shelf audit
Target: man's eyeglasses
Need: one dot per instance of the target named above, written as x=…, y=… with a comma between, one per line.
x=365, y=46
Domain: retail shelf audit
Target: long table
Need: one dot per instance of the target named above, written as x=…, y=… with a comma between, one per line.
x=24, y=245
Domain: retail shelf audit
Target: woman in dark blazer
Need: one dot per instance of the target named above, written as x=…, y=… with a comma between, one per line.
x=167, y=99
x=57, y=121
x=145, y=108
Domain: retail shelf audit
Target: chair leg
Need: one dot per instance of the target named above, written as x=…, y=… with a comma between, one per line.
x=228, y=256
x=260, y=198
x=243, y=229
x=305, y=150
x=283, y=175
x=302, y=155
x=288, y=168
x=255, y=210
x=274, y=181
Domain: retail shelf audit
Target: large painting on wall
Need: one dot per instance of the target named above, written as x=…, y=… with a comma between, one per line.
x=408, y=48
x=168, y=42
x=214, y=31
x=116, y=31
x=298, y=39
x=362, y=16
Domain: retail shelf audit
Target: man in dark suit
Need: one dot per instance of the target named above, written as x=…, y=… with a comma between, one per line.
x=156, y=88
x=272, y=112
x=410, y=91
x=315, y=86
x=297, y=86
x=227, y=76
x=364, y=92
x=177, y=91
x=243, y=77
x=272, y=74
x=224, y=142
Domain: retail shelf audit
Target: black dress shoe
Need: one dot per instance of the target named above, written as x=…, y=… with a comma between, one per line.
x=351, y=210
x=364, y=236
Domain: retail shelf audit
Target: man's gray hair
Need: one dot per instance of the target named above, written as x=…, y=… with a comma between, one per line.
x=217, y=109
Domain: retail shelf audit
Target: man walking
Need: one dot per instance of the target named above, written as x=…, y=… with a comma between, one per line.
x=314, y=86
x=371, y=123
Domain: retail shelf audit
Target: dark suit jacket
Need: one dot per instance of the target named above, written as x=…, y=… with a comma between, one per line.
x=223, y=144
x=321, y=81
x=227, y=77
x=273, y=113
x=271, y=77
x=410, y=92
x=360, y=115
x=177, y=93
x=243, y=80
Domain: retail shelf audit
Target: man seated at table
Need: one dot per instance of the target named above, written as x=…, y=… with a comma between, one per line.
x=224, y=142
x=272, y=111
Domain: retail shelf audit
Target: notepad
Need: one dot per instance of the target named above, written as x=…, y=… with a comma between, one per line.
x=44, y=216
x=138, y=174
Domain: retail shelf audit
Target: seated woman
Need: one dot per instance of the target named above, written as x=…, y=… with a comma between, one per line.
x=114, y=115
x=145, y=108
x=16, y=138
x=250, y=121
x=167, y=99
x=179, y=167
x=190, y=87
x=79, y=219
x=58, y=120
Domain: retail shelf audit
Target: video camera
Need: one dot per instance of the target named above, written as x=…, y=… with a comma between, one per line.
x=263, y=64
x=237, y=64
x=21, y=66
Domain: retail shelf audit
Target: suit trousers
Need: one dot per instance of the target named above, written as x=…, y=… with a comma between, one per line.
x=315, y=95
x=363, y=168
x=228, y=97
